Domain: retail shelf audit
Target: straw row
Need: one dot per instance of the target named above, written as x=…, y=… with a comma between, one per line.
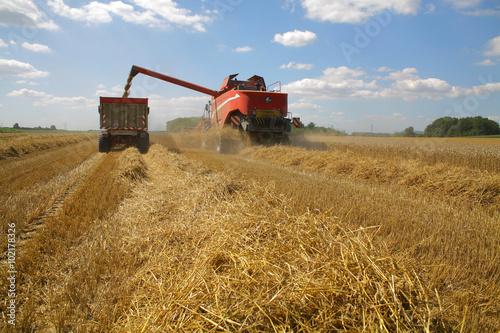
x=474, y=153
x=13, y=145
x=222, y=254
x=469, y=184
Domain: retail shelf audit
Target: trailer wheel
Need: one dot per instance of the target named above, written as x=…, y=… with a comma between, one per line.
x=143, y=143
x=104, y=143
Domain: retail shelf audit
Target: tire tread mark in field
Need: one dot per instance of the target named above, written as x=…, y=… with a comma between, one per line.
x=22, y=172
x=32, y=227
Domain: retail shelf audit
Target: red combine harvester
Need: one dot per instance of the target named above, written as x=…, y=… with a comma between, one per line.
x=248, y=106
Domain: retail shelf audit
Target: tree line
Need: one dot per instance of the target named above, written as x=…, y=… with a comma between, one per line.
x=51, y=128
x=442, y=127
x=314, y=129
x=470, y=126
x=181, y=124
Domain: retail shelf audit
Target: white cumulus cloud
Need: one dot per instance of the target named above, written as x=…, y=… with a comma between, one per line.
x=24, y=13
x=482, y=12
x=411, y=90
x=304, y=105
x=73, y=102
x=335, y=83
x=430, y=8
x=464, y=3
x=356, y=11
x=385, y=69
x=39, y=48
x=20, y=69
x=171, y=12
x=296, y=38
x=171, y=108
x=493, y=47
x=405, y=74
x=486, y=62
x=115, y=91
x=355, y=84
x=243, y=49
x=43, y=99
x=29, y=94
x=338, y=74
x=94, y=12
x=31, y=83
x=152, y=13
x=293, y=65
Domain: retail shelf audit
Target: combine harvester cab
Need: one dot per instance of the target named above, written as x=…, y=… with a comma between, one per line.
x=123, y=121
x=259, y=114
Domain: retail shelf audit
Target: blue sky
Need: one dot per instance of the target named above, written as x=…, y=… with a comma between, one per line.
x=351, y=65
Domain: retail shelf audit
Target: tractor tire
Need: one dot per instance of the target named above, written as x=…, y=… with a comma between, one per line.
x=143, y=144
x=285, y=141
x=204, y=144
x=231, y=141
x=222, y=145
x=266, y=139
x=104, y=143
x=207, y=143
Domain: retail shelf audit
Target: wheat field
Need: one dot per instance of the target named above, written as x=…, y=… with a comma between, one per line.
x=329, y=234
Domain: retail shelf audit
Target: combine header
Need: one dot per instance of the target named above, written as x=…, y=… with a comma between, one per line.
x=248, y=106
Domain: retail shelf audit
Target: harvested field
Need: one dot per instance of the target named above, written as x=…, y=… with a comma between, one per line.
x=33, y=182
x=15, y=144
x=471, y=185
x=482, y=154
x=359, y=236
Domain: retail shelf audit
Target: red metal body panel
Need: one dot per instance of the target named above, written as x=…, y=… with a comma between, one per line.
x=120, y=100
x=248, y=102
x=226, y=84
